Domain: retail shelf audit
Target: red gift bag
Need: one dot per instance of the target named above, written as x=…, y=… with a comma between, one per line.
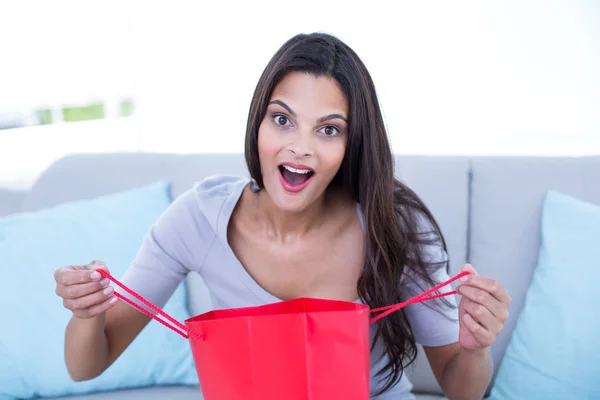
x=297, y=349
x=301, y=349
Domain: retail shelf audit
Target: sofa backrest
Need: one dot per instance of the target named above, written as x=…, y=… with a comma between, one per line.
x=11, y=201
x=442, y=182
x=88, y=175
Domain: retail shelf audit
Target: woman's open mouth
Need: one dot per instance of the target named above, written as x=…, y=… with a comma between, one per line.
x=294, y=178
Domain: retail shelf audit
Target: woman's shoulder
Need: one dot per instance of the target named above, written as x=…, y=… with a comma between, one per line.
x=195, y=216
x=203, y=202
x=207, y=199
x=210, y=189
x=212, y=193
x=219, y=186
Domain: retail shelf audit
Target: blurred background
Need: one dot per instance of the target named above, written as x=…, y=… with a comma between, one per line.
x=460, y=77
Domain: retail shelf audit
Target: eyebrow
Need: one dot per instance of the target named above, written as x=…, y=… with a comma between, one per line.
x=320, y=120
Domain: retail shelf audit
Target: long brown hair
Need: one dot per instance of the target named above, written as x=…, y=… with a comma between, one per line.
x=393, y=214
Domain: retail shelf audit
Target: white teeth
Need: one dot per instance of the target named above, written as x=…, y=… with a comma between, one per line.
x=296, y=171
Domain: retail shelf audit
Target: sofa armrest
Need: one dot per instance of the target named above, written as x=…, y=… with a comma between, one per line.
x=11, y=200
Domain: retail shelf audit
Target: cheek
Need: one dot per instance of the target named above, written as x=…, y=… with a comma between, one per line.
x=267, y=144
x=335, y=154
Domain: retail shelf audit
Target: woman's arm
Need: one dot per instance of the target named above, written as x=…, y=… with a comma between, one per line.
x=86, y=348
x=464, y=369
x=461, y=373
x=100, y=330
x=101, y=327
x=93, y=344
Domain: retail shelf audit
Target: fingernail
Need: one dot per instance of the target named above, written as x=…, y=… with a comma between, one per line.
x=95, y=275
x=464, y=278
x=104, y=282
x=113, y=300
x=108, y=290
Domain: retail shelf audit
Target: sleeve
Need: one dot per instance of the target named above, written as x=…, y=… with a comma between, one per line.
x=169, y=251
x=435, y=324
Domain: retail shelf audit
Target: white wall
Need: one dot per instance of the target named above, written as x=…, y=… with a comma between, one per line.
x=468, y=77
x=454, y=77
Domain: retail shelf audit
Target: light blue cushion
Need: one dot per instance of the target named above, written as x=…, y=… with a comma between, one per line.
x=33, y=320
x=554, y=351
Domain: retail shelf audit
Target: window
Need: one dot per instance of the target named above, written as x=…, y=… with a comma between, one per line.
x=65, y=61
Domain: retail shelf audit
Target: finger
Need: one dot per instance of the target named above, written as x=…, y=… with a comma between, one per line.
x=90, y=266
x=482, y=335
x=483, y=316
x=98, y=308
x=489, y=285
x=83, y=303
x=67, y=276
x=498, y=309
x=95, y=265
x=81, y=290
x=470, y=269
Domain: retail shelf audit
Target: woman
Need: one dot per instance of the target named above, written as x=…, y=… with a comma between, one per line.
x=322, y=217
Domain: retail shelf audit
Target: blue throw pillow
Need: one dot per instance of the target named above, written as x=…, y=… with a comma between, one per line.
x=32, y=246
x=554, y=351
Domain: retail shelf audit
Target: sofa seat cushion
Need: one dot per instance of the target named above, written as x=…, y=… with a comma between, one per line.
x=150, y=393
x=174, y=393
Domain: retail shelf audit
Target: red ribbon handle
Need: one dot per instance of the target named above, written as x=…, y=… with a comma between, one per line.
x=184, y=331
x=174, y=325
x=419, y=298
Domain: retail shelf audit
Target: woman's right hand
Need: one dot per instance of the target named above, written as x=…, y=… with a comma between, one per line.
x=84, y=291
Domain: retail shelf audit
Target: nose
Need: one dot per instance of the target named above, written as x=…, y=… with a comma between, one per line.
x=301, y=144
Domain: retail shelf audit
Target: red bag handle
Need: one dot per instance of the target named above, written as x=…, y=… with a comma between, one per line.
x=184, y=331
x=419, y=298
x=178, y=326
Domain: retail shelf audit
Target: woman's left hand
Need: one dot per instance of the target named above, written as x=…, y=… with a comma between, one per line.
x=483, y=310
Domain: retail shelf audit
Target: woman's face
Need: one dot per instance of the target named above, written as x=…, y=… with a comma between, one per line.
x=302, y=139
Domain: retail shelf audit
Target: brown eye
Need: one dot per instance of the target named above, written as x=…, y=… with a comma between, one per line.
x=281, y=120
x=330, y=130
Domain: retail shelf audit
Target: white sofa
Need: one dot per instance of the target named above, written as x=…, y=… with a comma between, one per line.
x=488, y=208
